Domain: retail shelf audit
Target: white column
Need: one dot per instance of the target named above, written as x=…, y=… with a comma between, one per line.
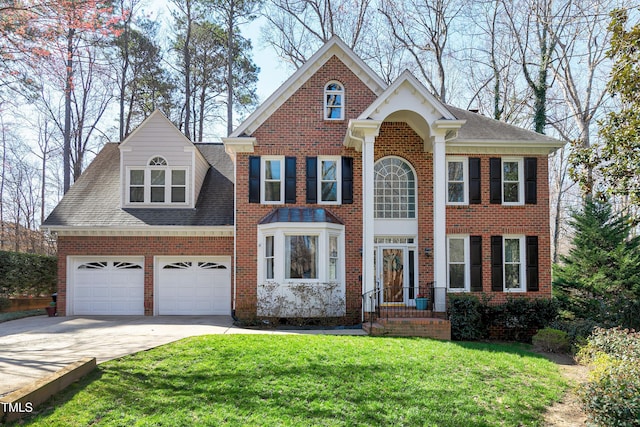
x=368, y=273
x=439, y=221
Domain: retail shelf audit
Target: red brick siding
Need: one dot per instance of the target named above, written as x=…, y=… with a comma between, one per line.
x=136, y=246
x=488, y=220
x=298, y=129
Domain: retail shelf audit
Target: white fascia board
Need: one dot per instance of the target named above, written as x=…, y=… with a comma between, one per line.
x=243, y=144
x=335, y=46
x=221, y=231
x=506, y=147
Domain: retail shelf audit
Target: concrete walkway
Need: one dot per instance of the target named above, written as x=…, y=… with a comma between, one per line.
x=34, y=347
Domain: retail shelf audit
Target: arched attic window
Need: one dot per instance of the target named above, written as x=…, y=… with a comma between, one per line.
x=334, y=101
x=158, y=161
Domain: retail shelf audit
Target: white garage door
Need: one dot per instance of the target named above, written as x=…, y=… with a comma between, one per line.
x=194, y=286
x=108, y=286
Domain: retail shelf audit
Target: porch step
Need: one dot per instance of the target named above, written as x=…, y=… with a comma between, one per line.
x=410, y=327
x=409, y=312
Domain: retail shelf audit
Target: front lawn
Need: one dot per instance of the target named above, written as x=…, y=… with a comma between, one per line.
x=301, y=380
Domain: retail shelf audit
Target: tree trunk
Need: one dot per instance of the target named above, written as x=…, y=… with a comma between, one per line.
x=66, y=152
x=230, y=60
x=187, y=73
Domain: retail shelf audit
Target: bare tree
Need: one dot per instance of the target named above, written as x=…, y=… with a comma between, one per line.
x=299, y=27
x=423, y=28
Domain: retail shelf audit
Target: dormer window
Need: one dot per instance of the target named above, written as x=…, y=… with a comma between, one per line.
x=157, y=183
x=334, y=101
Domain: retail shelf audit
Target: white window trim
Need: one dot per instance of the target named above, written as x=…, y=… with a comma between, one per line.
x=265, y=257
x=167, y=186
x=467, y=263
x=324, y=100
x=465, y=179
x=523, y=266
x=263, y=161
x=338, y=161
x=415, y=199
x=520, y=161
x=280, y=231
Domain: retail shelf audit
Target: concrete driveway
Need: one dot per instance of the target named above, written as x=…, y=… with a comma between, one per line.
x=34, y=347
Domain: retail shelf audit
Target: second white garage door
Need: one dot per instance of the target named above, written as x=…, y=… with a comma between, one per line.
x=193, y=285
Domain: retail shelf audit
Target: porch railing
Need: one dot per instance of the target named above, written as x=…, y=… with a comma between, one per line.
x=379, y=303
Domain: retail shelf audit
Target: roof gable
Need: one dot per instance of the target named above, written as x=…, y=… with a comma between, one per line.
x=334, y=47
x=153, y=126
x=406, y=93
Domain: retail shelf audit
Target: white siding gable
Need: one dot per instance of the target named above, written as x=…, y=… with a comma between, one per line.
x=157, y=136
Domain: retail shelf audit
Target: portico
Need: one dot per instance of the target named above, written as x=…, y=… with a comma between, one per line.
x=407, y=101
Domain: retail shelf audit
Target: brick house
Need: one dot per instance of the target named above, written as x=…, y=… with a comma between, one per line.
x=338, y=185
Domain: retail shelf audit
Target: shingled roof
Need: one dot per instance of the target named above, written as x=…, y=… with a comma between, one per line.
x=94, y=200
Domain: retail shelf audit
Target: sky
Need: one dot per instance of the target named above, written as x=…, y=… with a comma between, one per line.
x=272, y=71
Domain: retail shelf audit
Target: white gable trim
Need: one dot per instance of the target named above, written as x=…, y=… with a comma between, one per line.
x=388, y=101
x=334, y=47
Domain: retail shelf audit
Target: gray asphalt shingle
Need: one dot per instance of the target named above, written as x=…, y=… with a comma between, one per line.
x=94, y=200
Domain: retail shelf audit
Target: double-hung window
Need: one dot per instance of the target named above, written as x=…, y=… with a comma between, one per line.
x=334, y=101
x=329, y=174
x=458, y=260
x=514, y=263
x=272, y=179
x=457, y=181
x=512, y=182
x=157, y=183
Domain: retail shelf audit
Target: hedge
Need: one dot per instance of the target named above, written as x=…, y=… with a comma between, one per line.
x=27, y=274
x=517, y=319
x=611, y=397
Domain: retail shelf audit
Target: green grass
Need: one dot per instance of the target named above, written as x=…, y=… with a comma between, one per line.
x=13, y=315
x=300, y=380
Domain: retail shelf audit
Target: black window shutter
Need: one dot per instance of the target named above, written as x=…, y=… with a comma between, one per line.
x=475, y=197
x=495, y=180
x=532, y=264
x=530, y=180
x=347, y=180
x=312, y=180
x=290, y=180
x=475, y=256
x=496, y=263
x=254, y=179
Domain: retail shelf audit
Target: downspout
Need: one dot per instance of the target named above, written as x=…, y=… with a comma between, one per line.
x=361, y=140
x=235, y=240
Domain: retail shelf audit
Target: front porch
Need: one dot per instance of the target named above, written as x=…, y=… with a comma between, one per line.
x=407, y=319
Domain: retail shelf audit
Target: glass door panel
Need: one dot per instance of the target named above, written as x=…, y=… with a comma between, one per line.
x=392, y=275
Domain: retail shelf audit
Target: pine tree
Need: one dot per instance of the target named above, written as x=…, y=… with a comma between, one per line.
x=600, y=277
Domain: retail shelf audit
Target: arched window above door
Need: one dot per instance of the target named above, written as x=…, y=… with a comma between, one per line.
x=394, y=189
